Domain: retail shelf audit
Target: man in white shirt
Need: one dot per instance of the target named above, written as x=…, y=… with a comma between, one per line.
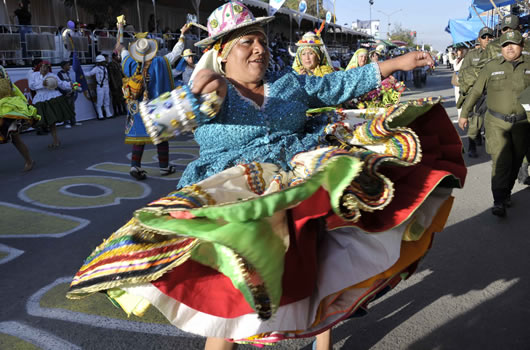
x=102, y=82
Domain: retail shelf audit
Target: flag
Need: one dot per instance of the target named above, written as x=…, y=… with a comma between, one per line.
x=79, y=75
x=274, y=5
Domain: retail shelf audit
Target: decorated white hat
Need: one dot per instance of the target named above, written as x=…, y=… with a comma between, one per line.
x=227, y=18
x=310, y=39
x=100, y=58
x=143, y=49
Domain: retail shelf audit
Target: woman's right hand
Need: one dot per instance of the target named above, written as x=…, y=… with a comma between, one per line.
x=207, y=81
x=406, y=62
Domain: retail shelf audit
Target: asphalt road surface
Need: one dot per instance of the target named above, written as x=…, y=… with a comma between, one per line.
x=470, y=292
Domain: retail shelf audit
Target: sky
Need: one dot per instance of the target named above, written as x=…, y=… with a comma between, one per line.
x=427, y=17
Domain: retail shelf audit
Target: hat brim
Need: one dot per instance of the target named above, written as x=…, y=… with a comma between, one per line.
x=510, y=41
x=151, y=53
x=212, y=39
x=308, y=44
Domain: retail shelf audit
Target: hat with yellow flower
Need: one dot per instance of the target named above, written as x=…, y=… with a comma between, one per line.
x=310, y=39
x=227, y=18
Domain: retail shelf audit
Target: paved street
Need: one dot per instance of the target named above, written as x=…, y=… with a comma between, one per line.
x=470, y=292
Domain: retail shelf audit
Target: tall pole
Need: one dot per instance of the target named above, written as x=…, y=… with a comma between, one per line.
x=318, y=10
x=7, y=14
x=156, y=18
x=370, y=18
x=139, y=16
x=76, y=12
x=388, y=19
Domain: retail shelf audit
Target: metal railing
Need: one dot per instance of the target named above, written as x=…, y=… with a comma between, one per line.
x=20, y=45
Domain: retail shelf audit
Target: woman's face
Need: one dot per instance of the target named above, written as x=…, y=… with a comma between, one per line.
x=309, y=59
x=362, y=59
x=248, y=60
x=44, y=69
x=189, y=60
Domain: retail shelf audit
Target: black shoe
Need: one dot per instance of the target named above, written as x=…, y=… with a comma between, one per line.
x=138, y=173
x=499, y=209
x=523, y=177
x=472, y=148
x=167, y=171
x=472, y=153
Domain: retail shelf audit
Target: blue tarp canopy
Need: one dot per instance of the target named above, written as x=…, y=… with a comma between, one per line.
x=485, y=5
x=463, y=30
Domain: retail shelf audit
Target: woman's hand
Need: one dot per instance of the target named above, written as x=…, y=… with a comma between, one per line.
x=185, y=28
x=207, y=81
x=406, y=62
x=119, y=48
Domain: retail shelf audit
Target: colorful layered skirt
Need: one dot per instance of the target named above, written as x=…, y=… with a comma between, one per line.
x=256, y=254
x=15, y=115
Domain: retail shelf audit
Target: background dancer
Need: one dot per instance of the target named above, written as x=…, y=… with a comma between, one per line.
x=15, y=114
x=51, y=105
x=149, y=76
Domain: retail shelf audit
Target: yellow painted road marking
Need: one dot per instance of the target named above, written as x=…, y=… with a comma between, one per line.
x=25, y=222
x=54, y=193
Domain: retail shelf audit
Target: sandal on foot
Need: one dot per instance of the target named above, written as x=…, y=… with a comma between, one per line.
x=138, y=173
x=29, y=166
x=167, y=171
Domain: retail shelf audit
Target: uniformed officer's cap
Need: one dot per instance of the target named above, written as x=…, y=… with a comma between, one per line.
x=485, y=31
x=514, y=37
x=510, y=21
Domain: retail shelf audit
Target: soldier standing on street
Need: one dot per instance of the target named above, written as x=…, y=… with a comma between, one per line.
x=466, y=78
x=506, y=123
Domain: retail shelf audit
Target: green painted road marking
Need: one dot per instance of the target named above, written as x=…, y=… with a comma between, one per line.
x=8, y=253
x=54, y=193
x=96, y=304
x=23, y=222
x=50, y=302
x=11, y=342
x=123, y=169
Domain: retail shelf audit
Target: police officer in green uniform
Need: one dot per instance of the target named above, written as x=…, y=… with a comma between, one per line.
x=466, y=78
x=506, y=123
x=508, y=23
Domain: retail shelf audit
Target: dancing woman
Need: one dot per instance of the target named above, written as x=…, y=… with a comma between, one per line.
x=51, y=105
x=15, y=114
x=285, y=225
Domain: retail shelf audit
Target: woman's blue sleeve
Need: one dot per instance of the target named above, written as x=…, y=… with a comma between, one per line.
x=341, y=86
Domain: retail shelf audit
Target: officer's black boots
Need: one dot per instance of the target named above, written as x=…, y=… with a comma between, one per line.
x=523, y=176
x=472, y=148
x=499, y=209
x=478, y=141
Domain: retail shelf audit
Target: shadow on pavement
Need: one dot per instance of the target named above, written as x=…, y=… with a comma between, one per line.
x=483, y=251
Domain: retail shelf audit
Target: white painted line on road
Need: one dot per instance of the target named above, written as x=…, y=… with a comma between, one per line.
x=35, y=336
x=12, y=253
x=82, y=223
x=33, y=308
